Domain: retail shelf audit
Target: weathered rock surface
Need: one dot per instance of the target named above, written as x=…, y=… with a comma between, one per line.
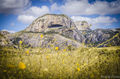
x=4, y=32
x=34, y=40
x=3, y=38
x=55, y=24
x=60, y=30
x=48, y=21
x=82, y=25
x=106, y=36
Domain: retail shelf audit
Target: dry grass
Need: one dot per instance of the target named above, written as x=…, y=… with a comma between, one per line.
x=46, y=63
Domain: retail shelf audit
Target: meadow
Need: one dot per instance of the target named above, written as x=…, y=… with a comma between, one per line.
x=55, y=63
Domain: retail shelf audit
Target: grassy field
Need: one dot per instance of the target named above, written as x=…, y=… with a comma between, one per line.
x=46, y=63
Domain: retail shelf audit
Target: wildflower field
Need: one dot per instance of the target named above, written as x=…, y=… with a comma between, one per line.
x=53, y=63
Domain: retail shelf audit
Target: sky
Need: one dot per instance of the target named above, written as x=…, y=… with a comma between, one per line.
x=16, y=15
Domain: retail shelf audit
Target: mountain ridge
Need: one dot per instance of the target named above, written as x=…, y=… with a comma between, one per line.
x=63, y=27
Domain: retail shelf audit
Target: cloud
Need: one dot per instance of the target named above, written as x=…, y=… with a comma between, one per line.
x=37, y=11
x=32, y=13
x=26, y=18
x=11, y=31
x=13, y=6
x=96, y=22
x=54, y=7
x=83, y=7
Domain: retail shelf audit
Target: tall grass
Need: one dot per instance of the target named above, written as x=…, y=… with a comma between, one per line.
x=46, y=63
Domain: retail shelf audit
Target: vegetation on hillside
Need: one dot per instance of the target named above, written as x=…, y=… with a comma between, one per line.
x=53, y=63
x=25, y=62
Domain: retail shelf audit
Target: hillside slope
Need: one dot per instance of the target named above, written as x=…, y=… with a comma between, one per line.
x=50, y=25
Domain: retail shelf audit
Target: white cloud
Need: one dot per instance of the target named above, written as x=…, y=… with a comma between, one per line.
x=26, y=18
x=54, y=7
x=83, y=7
x=37, y=11
x=32, y=13
x=13, y=6
x=96, y=22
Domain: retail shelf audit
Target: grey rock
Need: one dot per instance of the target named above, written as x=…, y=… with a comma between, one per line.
x=82, y=25
x=4, y=32
x=49, y=21
x=3, y=38
x=60, y=30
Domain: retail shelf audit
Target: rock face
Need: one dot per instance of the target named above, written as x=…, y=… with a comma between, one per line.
x=4, y=32
x=45, y=22
x=53, y=27
x=101, y=37
x=61, y=25
x=3, y=39
x=60, y=30
x=34, y=40
x=82, y=25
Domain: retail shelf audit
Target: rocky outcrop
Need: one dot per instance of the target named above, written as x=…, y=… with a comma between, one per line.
x=54, y=24
x=4, y=32
x=49, y=21
x=3, y=38
x=60, y=30
x=101, y=37
x=82, y=25
x=48, y=40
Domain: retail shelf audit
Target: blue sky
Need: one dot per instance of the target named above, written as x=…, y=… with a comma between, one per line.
x=16, y=15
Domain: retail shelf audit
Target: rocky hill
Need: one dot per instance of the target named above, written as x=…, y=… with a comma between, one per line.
x=49, y=21
x=59, y=30
x=82, y=25
x=3, y=38
x=56, y=30
x=101, y=37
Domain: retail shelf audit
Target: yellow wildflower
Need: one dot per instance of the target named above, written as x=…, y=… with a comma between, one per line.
x=20, y=42
x=47, y=57
x=64, y=50
x=56, y=48
x=77, y=64
x=22, y=65
x=41, y=36
x=27, y=51
x=78, y=69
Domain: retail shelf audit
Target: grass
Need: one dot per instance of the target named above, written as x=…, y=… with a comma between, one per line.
x=48, y=63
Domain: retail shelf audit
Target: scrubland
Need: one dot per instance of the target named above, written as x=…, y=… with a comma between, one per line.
x=55, y=63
